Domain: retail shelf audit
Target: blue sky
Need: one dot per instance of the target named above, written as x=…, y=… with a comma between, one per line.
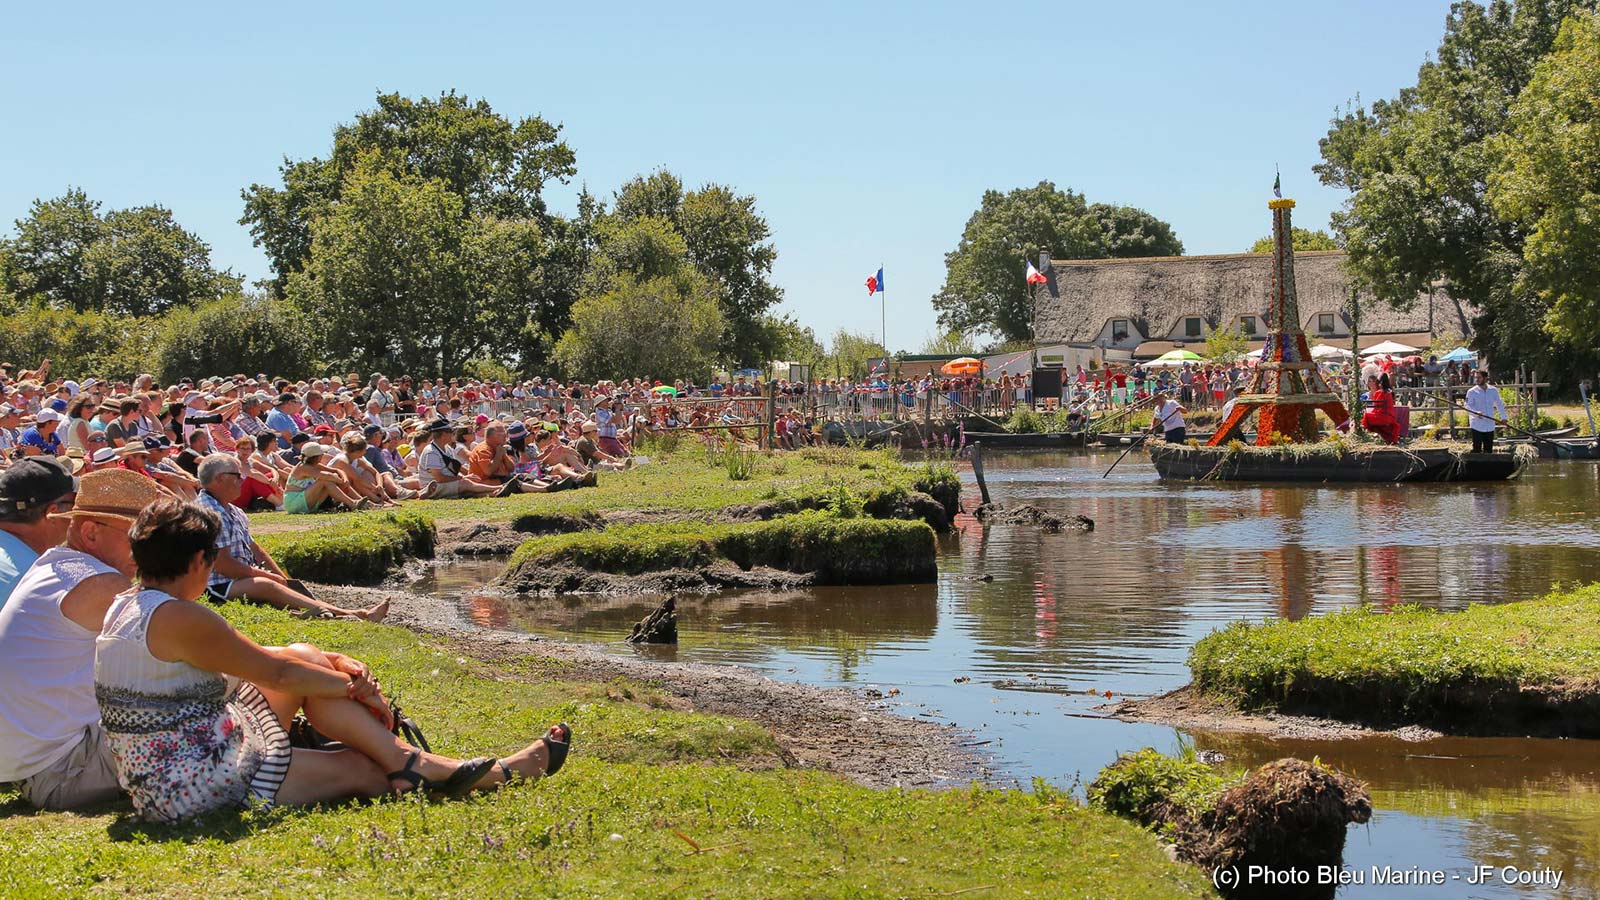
x=867, y=131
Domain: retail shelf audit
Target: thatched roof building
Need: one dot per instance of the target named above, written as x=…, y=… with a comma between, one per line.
x=1148, y=306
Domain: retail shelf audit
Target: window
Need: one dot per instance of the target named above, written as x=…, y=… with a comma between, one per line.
x=1119, y=329
x=1325, y=323
x=1191, y=327
x=1247, y=324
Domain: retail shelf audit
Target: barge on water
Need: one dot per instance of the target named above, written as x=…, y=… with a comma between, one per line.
x=1331, y=464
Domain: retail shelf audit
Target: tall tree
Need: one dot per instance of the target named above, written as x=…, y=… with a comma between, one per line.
x=1418, y=167
x=401, y=276
x=1301, y=238
x=494, y=172
x=1547, y=181
x=985, y=287
x=663, y=327
x=136, y=261
x=723, y=237
x=849, y=353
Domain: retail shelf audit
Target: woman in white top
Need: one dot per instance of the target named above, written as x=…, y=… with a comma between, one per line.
x=197, y=714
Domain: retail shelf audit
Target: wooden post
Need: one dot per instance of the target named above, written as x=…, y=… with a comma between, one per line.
x=768, y=414
x=977, y=471
x=1533, y=400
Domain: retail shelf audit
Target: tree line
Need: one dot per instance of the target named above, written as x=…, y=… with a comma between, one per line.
x=421, y=243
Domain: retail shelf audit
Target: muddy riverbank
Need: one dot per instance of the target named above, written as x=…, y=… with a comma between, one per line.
x=839, y=731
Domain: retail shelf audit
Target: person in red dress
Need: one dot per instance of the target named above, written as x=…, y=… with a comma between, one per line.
x=1379, y=416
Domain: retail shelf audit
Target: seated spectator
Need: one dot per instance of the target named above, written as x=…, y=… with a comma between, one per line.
x=243, y=568
x=589, y=450
x=41, y=438
x=352, y=464
x=180, y=759
x=312, y=483
x=259, y=489
x=494, y=461
x=50, y=734
x=156, y=465
x=560, y=460
x=441, y=470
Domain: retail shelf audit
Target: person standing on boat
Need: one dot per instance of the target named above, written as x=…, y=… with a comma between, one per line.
x=1168, y=420
x=1487, y=409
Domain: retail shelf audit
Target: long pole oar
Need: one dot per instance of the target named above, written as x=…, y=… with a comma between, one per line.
x=1139, y=440
x=1560, y=447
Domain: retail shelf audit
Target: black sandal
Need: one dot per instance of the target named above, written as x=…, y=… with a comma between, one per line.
x=558, y=749
x=409, y=774
x=462, y=780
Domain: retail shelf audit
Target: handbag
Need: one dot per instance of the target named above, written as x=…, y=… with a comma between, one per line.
x=304, y=735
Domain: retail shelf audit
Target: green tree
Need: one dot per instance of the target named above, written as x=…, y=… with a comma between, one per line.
x=1547, y=181
x=793, y=342
x=238, y=333
x=1418, y=168
x=849, y=353
x=401, y=276
x=136, y=261
x=949, y=342
x=1225, y=345
x=985, y=287
x=78, y=344
x=723, y=237
x=494, y=169
x=1301, y=238
x=665, y=327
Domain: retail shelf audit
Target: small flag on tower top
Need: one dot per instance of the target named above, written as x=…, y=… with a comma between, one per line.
x=1277, y=185
x=875, y=282
x=1034, y=277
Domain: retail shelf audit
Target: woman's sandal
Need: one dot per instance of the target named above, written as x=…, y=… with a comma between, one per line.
x=558, y=749
x=408, y=773
x=457, y=785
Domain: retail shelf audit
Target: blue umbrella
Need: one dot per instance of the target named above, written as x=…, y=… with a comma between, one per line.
x=1460, y=354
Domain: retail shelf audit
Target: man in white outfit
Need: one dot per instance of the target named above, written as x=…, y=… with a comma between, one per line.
x=1487, y=409
x=50, y=737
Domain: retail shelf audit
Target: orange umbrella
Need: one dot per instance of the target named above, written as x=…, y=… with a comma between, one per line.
x=966, y=365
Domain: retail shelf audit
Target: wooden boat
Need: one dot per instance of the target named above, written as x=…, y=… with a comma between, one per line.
x=1004, y=440
x=1310, y=463
x=1580, y=448
x=1121, y=439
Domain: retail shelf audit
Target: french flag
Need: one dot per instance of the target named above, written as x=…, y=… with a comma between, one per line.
x=875, y=282
x=1033, y=275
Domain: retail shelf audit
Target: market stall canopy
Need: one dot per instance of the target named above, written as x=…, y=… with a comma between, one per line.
x=1388, y=348
x=1460, y=354
x=1328, y=351
x=1175, y=358
x=665, y=389
x=966, y=365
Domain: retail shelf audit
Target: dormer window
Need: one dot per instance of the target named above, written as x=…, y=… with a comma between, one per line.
x=1191, y=327
x=1247, y=324
x=1325, y=323
x=1119, y=330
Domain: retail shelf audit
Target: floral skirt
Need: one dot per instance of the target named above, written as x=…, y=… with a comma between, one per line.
x=230, y=756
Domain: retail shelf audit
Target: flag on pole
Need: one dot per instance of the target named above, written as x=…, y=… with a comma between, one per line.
x=1277, y=185
x=1034, y=277
x=875, y=282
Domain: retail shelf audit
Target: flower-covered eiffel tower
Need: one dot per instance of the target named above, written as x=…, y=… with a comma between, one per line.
x=1286, y=388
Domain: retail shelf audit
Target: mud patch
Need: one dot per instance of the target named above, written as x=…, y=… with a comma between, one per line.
x=1191, y=710
x=717, y=576
x=1027, y=514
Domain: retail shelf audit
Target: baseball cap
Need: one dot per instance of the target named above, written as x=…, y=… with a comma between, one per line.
x=313, y=450
x=47, y=415
x=370, y=430
x=34, y=480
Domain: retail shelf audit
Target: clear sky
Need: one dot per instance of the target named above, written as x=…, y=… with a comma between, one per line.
x=867, y=131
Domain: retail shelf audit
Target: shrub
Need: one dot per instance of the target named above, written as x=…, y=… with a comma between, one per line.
x=356, y=549
x=234, y=334
x=1147, y=786
x=77, y=343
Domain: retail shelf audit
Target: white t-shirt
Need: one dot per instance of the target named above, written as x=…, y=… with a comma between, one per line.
x=46, y=666
x=1484, y=402
x=1167, y=416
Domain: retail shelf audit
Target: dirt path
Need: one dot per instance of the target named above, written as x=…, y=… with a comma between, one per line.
x=834, y=730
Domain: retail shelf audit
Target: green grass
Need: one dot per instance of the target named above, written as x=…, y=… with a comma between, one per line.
x=643, y=784
x=839, y=550
x=1411, y=662
x=682, y=482
x=1137, y=785
x=356, y=548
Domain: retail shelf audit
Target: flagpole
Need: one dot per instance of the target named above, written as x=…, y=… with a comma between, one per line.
x=884, y=326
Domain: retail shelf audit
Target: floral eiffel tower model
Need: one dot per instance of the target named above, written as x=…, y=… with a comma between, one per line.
x=1286, y=388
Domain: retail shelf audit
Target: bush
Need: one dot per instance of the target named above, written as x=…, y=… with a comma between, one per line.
x=234, y=334
x=1148, y=786
x=77, y=344
x=357, y=549
x=1025, y=421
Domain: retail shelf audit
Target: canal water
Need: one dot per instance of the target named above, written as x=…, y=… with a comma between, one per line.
x=1025, y=633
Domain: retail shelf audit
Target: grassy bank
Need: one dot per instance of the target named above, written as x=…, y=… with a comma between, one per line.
x=1529, y=667
x=836, y=550
x=655, y=803
x=357, y=548
x=685, y=482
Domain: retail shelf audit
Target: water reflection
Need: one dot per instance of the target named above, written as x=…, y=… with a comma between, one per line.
x=1044, y=625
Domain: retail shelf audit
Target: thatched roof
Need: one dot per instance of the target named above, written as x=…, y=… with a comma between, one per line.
x=1081, y=295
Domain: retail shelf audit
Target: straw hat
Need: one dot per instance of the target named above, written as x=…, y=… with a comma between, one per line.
x=112, y=494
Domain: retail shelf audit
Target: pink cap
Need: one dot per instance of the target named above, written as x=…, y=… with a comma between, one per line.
x=482, y=418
